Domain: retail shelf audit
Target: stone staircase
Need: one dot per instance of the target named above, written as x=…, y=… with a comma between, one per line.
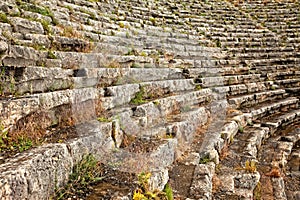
x=202, y=94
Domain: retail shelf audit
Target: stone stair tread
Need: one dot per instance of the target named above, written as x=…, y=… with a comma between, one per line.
x=279, y=119
x=50, y=157
x=115, y=96
x=256, y=97
x=268, y=107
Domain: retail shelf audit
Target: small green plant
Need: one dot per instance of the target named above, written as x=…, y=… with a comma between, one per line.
x=198, y=87
x=3, y=139
x=273, y=87
x=169, y=192
x=87, y=172
x=157, y=103
x=103, y=119
x=231, y=139
x=8, y=144
x=139, y=97
x=46, y=26
x=250, y=166
x=144, y=54
x=51, y=55
x=135, y=65
x=241, y=129
x=127, y=34
x=121, y=24
x=218, y=43
x=143, y=180
x=257, y=192
x=205, y=159
x=152, y=20
x=3, y=18
x=23, y=144
x=144, y=192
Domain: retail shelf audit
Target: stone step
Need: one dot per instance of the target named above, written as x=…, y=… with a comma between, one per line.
x=115, y=96
x=256, y=98
x=242, y=89
x=274, y=68
x=228, y=80
x=119, y=76
x=274, y=61
x=139, y=119
x=264, y=109
x=37, y=172
x=280, y=75
x=251, y=44
x=15, y=109
x=23, y=56
x=260, y=50
x=235, y=179
x=273, y=159
x=32, y=79
x=294, y=90
x=288, y=83
x=147, y=154
x=244, y=148
x=274, y=122
x=264, y=55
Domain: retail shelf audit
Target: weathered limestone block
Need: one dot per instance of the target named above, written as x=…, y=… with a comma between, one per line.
x=94, y=138
x=158, y=179
x=23, y=52
x=117, y=133
x=22, y=25
x=152, y=114
x=245, y=184
x=168, y=86
x=3, y=48
x=36, y=16
x=184, y=130
x=42, y=40
x=14, y=109
x=279, y=188
x=165, y=154
x=21, y=56
x=229, y=130
x=82, y=82
x=53, y=99
x=5, y=30
x=33, y=73
x=201, y=187
x=36, y=173
x=129, y=125
x=44, y=85
x=119, y=95
x=157, y=158
x=149, y=74
x=37, y=79
x=246, y=180
x=237, y=89
x=241, y=120
x=9, y=7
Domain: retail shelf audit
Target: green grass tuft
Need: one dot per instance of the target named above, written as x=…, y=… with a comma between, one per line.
x=87, y=172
